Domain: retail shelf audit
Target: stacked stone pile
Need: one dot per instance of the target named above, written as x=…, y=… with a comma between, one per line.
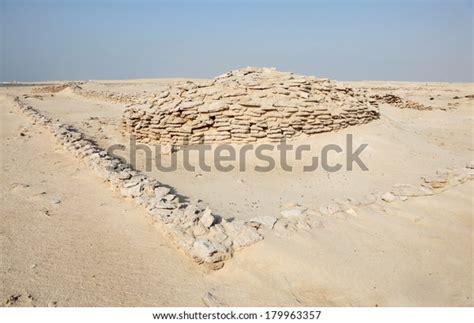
x=207, y=238
x=248, y=105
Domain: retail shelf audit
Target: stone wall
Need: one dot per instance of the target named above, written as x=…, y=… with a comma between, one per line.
x=205, y=237
x=109, y=96
x=53, y=88
x=399, y=102
x=193, y=227
x=248, y=105
x=77, y=88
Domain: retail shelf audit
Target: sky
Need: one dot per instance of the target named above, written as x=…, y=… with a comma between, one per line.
x=418, y=40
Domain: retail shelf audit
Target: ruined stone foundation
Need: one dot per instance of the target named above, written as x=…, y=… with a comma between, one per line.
x=245, y=106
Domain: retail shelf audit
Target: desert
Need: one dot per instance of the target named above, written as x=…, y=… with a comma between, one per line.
x=88, y=219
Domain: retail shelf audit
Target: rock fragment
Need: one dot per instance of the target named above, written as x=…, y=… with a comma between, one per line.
x=207, y=219
x=266, y=220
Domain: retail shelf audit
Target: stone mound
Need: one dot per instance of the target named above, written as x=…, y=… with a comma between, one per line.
x=248, y=105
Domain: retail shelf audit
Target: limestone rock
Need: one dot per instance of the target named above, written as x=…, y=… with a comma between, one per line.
x=266, y=220
x=161, y=191
x=246, y=237
x=205, y=251
x=294, y=212
x=436, y=181
x=132, y=190
x=207, y=219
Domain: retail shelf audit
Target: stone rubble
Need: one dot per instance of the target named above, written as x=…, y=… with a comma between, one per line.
x=76, y=87
x=53, y=88
x=429, y=185
x=208, y=239
x=245, y=106
x=109, y=96
x=399, y=102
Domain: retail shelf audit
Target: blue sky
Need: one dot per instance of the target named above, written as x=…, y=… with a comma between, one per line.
x=345, y=40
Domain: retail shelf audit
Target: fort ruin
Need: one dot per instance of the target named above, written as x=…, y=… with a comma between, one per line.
x=246, y=106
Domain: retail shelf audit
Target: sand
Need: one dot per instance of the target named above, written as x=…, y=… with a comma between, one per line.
x=94, y=248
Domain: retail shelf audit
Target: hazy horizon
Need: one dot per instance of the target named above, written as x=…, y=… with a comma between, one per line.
x=368, y=40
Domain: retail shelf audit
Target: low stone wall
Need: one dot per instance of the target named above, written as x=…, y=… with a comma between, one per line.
x=77, y=88
x=399, y=102
x=54, y=88
x=206, y=238
x=248, y=105
x=295, y=217
x=109, y=96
